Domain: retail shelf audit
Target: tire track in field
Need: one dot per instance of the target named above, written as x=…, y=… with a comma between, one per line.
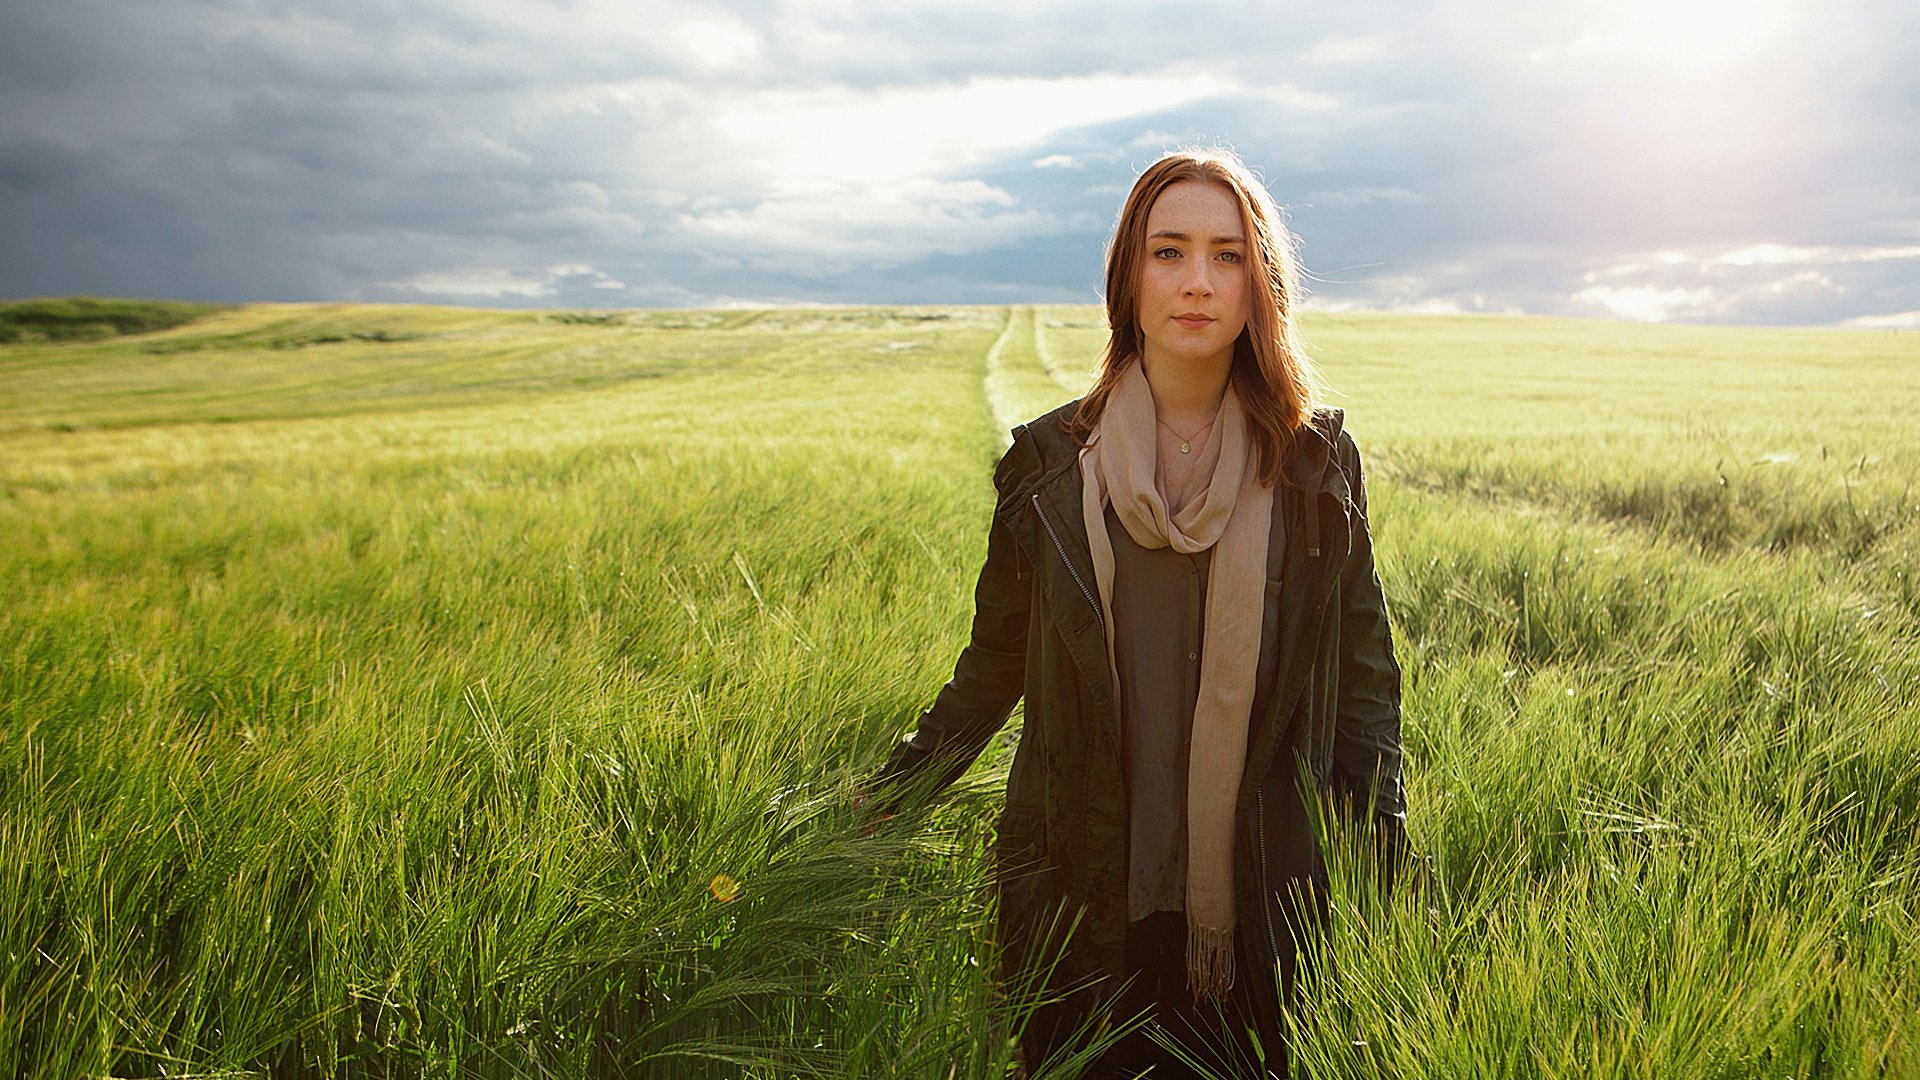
x=999, y=395
x=1076, y=382
x=1017, y=385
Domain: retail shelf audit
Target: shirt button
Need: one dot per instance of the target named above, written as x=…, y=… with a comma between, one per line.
x=1193, y=656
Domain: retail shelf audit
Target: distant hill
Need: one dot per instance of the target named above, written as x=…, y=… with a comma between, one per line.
x=89, y=318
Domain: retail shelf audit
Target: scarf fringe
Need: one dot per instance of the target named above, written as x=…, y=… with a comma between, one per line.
x=1209, y=962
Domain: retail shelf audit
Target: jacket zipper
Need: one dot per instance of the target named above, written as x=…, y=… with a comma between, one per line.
x=1062, y=549
x=1266, y=889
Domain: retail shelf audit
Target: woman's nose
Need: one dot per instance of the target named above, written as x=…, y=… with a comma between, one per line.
x=1198, y=283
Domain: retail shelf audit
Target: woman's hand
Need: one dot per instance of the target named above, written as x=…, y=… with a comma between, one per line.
x=872, y=822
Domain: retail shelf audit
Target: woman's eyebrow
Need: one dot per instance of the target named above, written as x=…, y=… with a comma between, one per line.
x=1169, y=234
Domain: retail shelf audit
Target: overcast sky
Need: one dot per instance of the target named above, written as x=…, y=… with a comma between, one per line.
x=1753, y=161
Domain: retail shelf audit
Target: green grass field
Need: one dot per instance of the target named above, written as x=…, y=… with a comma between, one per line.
x=403, y=691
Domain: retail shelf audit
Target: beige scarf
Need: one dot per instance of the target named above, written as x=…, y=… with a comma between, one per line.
x=1232, y=514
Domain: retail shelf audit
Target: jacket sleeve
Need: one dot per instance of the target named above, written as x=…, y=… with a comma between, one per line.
x=1366, y=743
x=987, y=679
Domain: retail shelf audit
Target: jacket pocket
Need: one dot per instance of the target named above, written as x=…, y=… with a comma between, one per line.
x=1296, y=870
x=1027, y=884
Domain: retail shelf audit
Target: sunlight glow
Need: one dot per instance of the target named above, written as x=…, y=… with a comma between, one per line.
x=840, y=134
x=1680, y=38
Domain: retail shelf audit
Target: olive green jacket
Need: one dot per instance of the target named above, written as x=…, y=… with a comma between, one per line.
x=1330, y=715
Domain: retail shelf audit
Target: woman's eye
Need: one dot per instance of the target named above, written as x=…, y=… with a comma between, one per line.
x=1230, y=256
x=1167, y=253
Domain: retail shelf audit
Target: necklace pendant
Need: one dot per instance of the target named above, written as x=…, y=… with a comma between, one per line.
x=1186, y=448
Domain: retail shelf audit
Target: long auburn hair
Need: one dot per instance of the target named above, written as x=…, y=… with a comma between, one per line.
x=1271, y=373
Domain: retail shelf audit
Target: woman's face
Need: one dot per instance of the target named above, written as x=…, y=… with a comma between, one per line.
x=1195, y=290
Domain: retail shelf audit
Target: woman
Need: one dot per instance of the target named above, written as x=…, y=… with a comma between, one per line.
x=1179, y=580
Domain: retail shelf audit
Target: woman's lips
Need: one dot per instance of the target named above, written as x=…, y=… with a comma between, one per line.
x=1192, y=322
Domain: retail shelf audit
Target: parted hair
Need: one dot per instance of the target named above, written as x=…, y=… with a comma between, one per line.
x=1271, y=373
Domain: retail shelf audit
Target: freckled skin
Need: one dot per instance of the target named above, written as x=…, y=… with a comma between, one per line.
x=1196, y=263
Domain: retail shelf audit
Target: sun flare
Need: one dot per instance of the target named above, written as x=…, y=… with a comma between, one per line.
x=1683, y=38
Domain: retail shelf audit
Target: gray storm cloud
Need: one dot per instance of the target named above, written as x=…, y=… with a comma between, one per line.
x=1566, y=159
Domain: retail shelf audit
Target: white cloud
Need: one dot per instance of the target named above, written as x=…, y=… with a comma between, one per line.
x=1155, y=139
x=1351, y=198
x=831, y=227
x=501, y=283
x=790, y=139
x=808, y=179
x=1349, y=50
x=1647, y=303
x=1795, y=255
x=1431, y=306
x=811, y=181
x=1746, y=287
x=1767, y=255
x=1297, y=99
x=494, y=283
x=1882, y=254
x=1898, y=320
x=1804, y=280
x=1763, y=282
x=713, y=39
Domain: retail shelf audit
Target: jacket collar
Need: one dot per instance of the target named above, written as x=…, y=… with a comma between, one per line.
x=1311, y=465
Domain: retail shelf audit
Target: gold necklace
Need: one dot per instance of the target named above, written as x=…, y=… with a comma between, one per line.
x=1186, y=441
